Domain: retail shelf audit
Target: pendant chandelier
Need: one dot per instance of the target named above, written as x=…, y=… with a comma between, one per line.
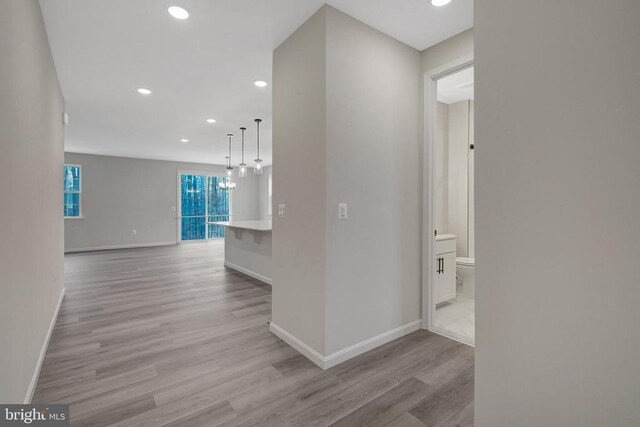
x=258, y=168
x=242, y=170
x=228, y=184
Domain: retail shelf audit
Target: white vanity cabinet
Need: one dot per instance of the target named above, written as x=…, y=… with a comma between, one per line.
x=445, y=267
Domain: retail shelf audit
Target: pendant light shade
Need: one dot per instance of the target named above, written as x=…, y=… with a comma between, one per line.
x=229, y=167
x=242, y=169
x=228, y=184
x=258, y=167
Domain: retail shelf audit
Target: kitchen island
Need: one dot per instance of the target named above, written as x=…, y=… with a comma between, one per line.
x=247, y=247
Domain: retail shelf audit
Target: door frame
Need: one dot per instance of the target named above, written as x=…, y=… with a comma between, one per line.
x=430, y=79
x=181, y=172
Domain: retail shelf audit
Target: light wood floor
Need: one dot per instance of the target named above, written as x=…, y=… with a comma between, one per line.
x=169, y=336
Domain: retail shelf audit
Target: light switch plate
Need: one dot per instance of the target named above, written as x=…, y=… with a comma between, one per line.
x=281, y=210
x=342, y=211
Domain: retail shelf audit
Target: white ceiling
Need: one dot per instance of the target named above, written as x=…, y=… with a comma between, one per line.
x=456, y=87
x=202, y=67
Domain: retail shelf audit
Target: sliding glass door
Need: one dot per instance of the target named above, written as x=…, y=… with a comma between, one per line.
x=202, y=201
x=217, y=206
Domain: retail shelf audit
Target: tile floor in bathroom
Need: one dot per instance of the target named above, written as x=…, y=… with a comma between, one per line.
x=458, y=317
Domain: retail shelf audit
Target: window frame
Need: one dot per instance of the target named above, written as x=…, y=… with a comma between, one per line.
x=79, y=192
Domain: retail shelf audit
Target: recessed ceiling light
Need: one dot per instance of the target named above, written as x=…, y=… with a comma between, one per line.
x=144, y=91
x=440, y=2
x=211, y=120
x=260, y=83
x=178, y=12
x=185, y=140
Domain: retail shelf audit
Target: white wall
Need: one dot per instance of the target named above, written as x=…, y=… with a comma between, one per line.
x=31, y=225
x=299, y=182
x=471, y=156
x=122, y=194
x=454, y=180
x=346, y=129
x=263, y=193
x=373, y=164
x=249, y=252
x=458, y=169
x=441, y=165
x=557, y=239
x=453, y=49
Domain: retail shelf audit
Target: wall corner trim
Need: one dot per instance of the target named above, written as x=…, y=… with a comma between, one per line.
x=301, y=347
x=248, y=272
x=34, y=380
x=326, y=362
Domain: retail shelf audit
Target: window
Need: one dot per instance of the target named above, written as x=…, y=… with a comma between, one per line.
x=72, y=191
x=202, y=201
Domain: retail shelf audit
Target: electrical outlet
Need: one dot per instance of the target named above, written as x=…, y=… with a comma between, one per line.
x=135, y=231
x=342, y=211
x=281, y=211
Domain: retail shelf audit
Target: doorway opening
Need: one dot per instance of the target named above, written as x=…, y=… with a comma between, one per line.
x=200, y=202
x=449, y=240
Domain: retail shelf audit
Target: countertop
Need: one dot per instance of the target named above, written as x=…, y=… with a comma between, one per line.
x=257, y=225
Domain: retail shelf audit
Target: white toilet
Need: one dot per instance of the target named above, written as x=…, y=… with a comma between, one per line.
x=465, y=272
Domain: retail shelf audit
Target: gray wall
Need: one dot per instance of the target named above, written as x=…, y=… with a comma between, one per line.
x=299, y=182
x=447, y=51
x=121, y=194
x=373, y=164
x=31, y=229
x=346, y=109
x=557, y=235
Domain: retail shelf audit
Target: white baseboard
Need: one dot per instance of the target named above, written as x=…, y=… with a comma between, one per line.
x=131, y=246
x=371, y=343
x=326, y=362
x=43, y=351
x=301, y=347
x=248, y=272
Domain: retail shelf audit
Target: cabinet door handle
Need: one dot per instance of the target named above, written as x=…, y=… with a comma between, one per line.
x=442, y=265
x=440, y=269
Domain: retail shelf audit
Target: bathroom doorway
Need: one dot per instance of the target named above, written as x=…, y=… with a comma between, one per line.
x=450, y=245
